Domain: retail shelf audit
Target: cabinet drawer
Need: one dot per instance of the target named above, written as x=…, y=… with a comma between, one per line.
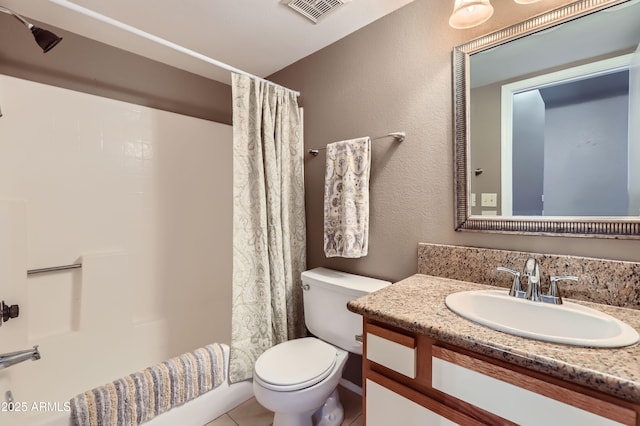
x=393, y=350
x=389, y=403
x=519, y=398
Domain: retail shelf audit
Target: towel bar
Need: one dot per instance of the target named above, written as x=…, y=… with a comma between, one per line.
x=397, y=136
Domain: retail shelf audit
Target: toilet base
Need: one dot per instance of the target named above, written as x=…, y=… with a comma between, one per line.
x=292, y=419
x=330, y=414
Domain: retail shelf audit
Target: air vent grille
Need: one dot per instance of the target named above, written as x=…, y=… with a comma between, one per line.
x=315, y=9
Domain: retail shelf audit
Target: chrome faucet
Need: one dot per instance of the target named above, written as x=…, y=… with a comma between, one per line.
x=516, y=289
x=532, y=272
x=12, y=358
x=554, y=293
x=534, y=292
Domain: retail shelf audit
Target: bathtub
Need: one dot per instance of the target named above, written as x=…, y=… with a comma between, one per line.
x=196, y=412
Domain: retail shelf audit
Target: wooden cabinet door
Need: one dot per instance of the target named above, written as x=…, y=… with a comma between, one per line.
x=390, y=403
x=519, y=398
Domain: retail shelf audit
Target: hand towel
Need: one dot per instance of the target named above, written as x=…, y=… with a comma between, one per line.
x=346, y=198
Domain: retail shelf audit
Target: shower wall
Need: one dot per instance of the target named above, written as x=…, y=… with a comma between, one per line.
x=143, y=199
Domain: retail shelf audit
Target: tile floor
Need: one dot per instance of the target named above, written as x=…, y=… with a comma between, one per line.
x=251, y=413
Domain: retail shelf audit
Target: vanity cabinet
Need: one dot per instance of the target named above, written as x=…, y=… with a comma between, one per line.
x=415, y=380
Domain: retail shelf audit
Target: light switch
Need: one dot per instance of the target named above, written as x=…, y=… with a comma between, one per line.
x=489, y=199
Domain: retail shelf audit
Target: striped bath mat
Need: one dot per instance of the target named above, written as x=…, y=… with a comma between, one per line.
x=139, y=397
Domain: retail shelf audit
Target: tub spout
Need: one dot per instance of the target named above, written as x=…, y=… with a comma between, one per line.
x=12, y=358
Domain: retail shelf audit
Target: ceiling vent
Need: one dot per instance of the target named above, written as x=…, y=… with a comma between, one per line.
x=315, y=9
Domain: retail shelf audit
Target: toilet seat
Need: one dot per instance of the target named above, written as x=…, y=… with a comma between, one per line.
x=296, y=364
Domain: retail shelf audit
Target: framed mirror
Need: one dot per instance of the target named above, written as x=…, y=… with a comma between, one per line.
x=547, y=124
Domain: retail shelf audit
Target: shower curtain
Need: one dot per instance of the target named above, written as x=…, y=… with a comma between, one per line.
x=269, y=229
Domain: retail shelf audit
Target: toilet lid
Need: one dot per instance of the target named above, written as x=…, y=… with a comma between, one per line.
x=296, y=364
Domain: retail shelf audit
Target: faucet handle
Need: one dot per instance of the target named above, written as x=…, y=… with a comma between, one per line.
x=516, y=289
x=554, y=293
x=8, y=311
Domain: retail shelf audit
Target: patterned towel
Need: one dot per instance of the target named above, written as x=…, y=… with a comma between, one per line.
x=346, y=198
x=141, y=396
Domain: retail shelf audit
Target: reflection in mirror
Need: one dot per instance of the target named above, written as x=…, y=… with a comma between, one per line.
x=547, y=134
x=566, y=152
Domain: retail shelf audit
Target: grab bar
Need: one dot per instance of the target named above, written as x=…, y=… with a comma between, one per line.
x=53, y=269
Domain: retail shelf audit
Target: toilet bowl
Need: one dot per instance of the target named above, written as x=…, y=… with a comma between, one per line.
x=295, y=395
x=297, y=379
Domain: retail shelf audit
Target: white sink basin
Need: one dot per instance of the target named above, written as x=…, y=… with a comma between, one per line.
x=569, y=323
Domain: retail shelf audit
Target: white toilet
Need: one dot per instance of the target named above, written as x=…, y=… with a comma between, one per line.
x=297, y=379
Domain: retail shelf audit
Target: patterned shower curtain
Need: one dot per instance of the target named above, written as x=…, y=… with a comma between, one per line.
x=269, y=229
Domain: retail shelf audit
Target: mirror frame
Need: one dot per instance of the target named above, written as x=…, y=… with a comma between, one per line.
x=583, y=226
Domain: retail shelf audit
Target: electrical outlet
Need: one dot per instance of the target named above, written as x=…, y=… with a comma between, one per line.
x=489, y=199
x=473, y=199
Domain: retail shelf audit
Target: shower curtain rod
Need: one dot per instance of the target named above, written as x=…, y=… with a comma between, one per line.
x=397, y=136
x=133, y=30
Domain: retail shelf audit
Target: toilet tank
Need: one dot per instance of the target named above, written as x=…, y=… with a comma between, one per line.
x=326, y=293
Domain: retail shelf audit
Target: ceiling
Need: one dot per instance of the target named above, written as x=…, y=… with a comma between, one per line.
x=256, y=36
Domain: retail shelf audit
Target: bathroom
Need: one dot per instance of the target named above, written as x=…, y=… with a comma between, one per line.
x=394, y=74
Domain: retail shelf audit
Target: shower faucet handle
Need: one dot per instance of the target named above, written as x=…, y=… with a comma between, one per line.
x=8, y=311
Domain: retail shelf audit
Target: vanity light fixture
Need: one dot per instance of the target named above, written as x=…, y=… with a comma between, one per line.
x=469, y=13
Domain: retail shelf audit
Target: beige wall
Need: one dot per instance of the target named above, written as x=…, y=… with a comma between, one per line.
x=85, y=65
x=395, y=74
x=485, y=152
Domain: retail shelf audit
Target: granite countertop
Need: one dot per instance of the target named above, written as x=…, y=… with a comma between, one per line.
x=416, y=304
